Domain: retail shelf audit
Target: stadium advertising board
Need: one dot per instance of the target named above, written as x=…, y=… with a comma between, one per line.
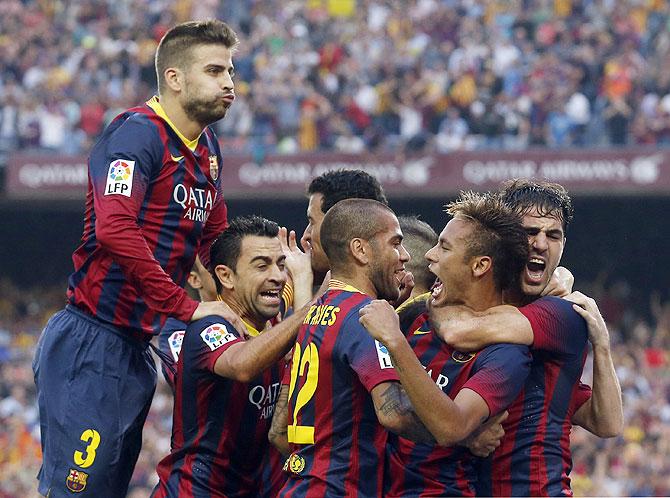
x=610, y=172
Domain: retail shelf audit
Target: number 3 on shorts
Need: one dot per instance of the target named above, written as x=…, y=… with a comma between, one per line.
x=86, y=459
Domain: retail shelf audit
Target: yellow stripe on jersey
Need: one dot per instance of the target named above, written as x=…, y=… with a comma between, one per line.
x=287, y=295
x=158, y=109
x=339, y=285
x=421, y=297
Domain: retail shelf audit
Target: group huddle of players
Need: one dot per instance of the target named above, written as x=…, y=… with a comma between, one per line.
x=461, y=379
x=353, y=413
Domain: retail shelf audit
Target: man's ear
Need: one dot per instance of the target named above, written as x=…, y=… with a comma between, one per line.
x=174, y=79
x=226, y=276
x=194, y=280
x=360, y=250
x=481, y=265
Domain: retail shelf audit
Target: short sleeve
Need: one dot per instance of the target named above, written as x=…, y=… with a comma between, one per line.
x=206, y=340
x=500, y=371
x=556, y=326
x=367, y=357
x=582, y=395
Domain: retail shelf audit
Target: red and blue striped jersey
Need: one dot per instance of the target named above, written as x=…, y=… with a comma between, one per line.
x=336, y=441
x=220, y=426
x=154, y=200
x=496, y=373
x=534, y=456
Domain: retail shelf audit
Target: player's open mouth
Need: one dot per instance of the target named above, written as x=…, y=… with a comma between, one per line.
x=271, y=297
x=399, y=275
x=438, y=287
x=535, y=270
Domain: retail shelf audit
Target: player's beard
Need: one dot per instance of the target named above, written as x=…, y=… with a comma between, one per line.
x=385, y=285
x=204, y=111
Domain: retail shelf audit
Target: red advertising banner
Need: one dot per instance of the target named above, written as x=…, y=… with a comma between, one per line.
x=598, y=172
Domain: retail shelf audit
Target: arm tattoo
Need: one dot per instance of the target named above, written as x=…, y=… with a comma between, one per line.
x=279, y=427
x=396, y=403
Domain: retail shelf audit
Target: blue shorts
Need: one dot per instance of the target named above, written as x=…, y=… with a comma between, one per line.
x=94, y=390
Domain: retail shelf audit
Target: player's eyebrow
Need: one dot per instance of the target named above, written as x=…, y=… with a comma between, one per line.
x=264, y=259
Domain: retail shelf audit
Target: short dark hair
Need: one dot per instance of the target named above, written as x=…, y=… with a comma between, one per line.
x=419, y=237
x=174, y=49
x=341, y=184
x=347, y=220
x=550, y=199
x=498, y=233
x=226, y=248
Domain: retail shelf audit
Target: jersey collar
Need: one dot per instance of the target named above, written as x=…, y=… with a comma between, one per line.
x=154, y=104
x=339, y=285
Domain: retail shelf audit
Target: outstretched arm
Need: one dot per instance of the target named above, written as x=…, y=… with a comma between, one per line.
x=602, y=414
x=246, y=360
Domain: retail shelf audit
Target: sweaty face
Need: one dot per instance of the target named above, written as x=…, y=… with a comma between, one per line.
x=546, y=241
x=259, y=277
x=209, y=89
x=311, y=235
x=387, y=267
x=447, y=260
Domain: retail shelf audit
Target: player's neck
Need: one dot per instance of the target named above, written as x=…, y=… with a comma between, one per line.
x=186, y=126
x=242, y=312
x=483, y=297
x=359, y=281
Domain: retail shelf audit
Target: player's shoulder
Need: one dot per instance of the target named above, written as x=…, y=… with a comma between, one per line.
x=172, y=324
x=550, y=305
x=132, y=129
x=211, y=330
x=413, y=316
x=505, y=350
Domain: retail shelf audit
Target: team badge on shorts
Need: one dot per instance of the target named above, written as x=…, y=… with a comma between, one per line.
x=217, y=335
x=462, y=357
x=294, y=464
x=213, y=167
x=76, y=481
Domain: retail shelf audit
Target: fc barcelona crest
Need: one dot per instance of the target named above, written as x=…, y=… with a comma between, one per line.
x=460, y=357
x=213, y=167
x=76, y=481
x=295, y=464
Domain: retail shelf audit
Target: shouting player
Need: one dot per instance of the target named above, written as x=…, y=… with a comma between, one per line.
x=226, y=387
x=154, y=201
x=480, y=252
x=534, y=457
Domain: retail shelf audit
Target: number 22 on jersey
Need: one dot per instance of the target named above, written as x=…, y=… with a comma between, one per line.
x=305, y=364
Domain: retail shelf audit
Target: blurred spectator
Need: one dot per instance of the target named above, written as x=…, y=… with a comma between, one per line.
x=554, y=74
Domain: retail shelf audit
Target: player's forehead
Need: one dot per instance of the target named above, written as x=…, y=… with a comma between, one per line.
x=314, y=211
x=390, y=228
x=456, y=231
x=256, y=247
x=534, y=218
x=205, y=54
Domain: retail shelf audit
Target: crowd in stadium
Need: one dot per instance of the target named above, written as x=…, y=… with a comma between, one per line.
x=634, y=464
x=378, y=75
